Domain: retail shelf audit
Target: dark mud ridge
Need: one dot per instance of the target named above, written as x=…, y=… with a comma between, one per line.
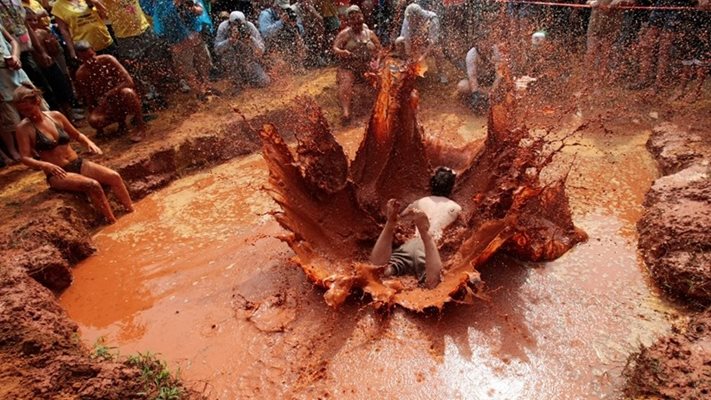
x=41, y=355
x=675, y=242
x=677, y=366
x=674, y=234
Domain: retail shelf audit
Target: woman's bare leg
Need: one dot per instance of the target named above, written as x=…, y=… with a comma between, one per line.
x=79, y=183
x=109, y=177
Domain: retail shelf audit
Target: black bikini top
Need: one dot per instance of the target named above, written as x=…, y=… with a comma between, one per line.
x=44, y=142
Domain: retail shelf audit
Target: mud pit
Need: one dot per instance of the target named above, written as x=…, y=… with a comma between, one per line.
x=197, y=274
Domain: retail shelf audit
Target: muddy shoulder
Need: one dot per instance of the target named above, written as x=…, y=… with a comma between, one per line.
x=675, y=244
x=44, y=233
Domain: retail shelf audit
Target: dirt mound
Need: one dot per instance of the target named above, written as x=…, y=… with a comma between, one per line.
x=40, y=354
x=332, y=209
x=674, y=238
x=677, y=366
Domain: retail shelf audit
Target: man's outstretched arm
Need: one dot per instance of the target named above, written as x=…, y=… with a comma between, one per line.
x=384, y=246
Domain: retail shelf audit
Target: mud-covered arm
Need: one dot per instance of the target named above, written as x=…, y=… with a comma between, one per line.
x=339, y=44
x=67, y=36
x=472, y=75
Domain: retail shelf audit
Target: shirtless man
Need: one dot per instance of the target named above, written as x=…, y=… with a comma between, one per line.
x=419, y=256
x=108, y=91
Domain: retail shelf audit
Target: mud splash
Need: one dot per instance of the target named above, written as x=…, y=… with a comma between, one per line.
x=331, y=210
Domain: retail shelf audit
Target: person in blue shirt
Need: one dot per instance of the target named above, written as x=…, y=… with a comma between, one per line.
x=283, y=32
x=180, y=23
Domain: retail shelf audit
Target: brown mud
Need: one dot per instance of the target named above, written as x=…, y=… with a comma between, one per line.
x=677, y=366
x=331, y=210
x=674, y=231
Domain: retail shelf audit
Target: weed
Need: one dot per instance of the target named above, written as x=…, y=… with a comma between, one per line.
x=156, y=376
x=102, y=351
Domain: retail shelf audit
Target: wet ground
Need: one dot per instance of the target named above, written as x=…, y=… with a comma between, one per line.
x=197, y=275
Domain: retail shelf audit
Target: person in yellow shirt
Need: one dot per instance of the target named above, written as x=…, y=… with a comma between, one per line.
x=82, y=20
x=39, y=9
x=139, y=49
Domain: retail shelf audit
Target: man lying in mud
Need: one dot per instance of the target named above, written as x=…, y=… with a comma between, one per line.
x=418, y=256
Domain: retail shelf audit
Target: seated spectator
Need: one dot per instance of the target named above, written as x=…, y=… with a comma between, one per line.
x=83, y=20
x=180, y=24
x=283, y=32
x=240, y=48
x=108, y=91
x=421, y=30
x=356, y=48
x=47, y=136
x=11, y=77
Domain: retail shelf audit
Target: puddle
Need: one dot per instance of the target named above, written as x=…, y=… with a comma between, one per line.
x=197, y=275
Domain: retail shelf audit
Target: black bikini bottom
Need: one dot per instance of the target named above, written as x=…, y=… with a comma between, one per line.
x=72, y=166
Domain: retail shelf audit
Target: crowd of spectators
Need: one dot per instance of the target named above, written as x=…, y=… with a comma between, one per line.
x=110, y=61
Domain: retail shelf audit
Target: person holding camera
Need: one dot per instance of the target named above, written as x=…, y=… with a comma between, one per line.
x=240, y=48
x=283, y=32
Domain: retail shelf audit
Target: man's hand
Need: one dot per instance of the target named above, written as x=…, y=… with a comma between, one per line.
x=422, y=222
x=45, y=60
x=13, y=62
x=392, y=209
x=54, y=170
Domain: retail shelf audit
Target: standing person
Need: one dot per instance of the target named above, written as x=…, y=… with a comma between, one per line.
x=356, y=48
x=47, y=136
x=419, y=256
x=331, y=24
x=82, y=20
x=61, y=95
x=108, y=91
x=314, y=32
x=604, y=28
x=138, y=48
x=12, y=16
x=11, y=77
x=180, y=23
x=421, y=31
x=283, y=32
x=240, y=48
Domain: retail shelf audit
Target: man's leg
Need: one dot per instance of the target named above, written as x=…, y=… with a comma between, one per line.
x=256, y=74
x=9, y=118
x=345, y=79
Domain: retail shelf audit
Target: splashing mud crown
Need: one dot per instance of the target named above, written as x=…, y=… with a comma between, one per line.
x=332, y=210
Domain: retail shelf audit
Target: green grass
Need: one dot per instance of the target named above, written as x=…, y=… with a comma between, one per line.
x=159, y=383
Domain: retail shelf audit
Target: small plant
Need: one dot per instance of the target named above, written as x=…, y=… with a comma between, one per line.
x=158, y=380
x=102, y=351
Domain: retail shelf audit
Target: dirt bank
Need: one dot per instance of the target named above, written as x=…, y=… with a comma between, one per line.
x=674, y=237
x=44, y=233
x=676, y=366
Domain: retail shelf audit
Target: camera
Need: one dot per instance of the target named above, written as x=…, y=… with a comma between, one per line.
x=291, y=14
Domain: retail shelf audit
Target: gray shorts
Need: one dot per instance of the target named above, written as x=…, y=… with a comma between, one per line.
x=409, y=259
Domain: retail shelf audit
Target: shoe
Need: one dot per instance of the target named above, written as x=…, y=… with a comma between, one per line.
x=443, y=79
x=184, y=87
x=77, y=116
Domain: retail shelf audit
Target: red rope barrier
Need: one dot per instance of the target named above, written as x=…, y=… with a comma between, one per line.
x=621, y=7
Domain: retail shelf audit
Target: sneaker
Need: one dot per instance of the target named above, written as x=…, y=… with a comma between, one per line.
x=184, y=87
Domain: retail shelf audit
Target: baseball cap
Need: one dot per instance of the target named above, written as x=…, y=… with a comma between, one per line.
x=282, y=3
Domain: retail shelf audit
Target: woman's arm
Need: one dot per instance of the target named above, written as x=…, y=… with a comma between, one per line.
x=339, y=42
x=74, y=133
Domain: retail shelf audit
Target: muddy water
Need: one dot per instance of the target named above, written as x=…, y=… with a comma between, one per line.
x=197, y=275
